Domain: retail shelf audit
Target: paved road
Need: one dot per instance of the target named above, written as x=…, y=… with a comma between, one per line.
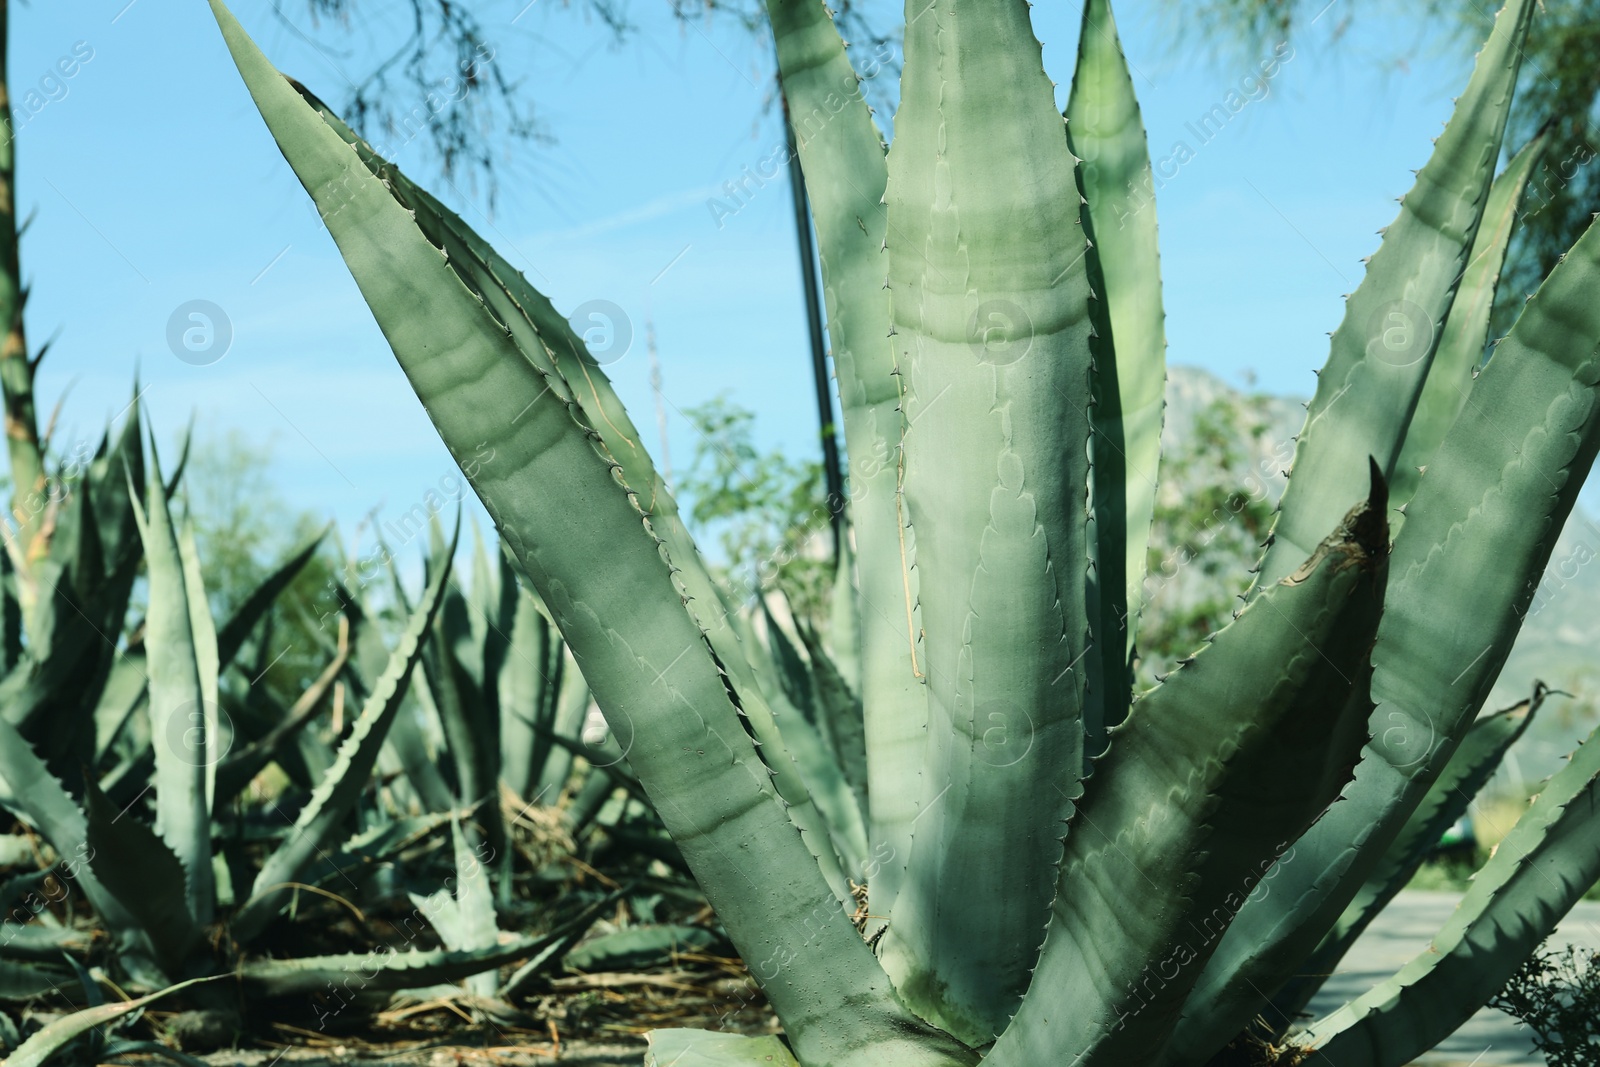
x=1490, y=1038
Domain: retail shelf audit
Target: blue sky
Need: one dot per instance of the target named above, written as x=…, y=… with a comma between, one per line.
x=156, y=184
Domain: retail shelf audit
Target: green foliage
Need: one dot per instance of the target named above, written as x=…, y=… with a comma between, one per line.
x=1211, y=514
x=336, y=795
x=178, y=827
x=1564, y=51
x=244, y=527
x=761, y=507
x=981, y=389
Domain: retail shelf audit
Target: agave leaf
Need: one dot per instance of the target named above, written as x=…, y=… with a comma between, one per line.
x=474, y=905
x=557, y=942
x=846, y=175
x=1381, y=353
x=242, y=764
x=245, y=618
x=452, y=663
x=416, y=757
x=376, y=845
x=527, y=691
x=33, y=793
x=605, y=753
x=71, y=569
x=1478, y=534
x=338, y=792
x=204, y=631
x=144, y=874
x=1248, y=742
x=453, y=693
x=406, y=739
x=45, y=944
x=1466, y=330
x=97, y=599
x=86, y=586
x=465, y=920
x=52, y=691
x=10, y=616
x=1105, y=131
x=171, y=485
x=712, y=1048
x=17, y=888
x=790, y=668
x=570, y=373
x=95, y=1043
x=547, y=340
x=1446, y=802
x=817, y=763
x=381, y=969
x=462, y=666
x=844, y=620
x=536, y=967
x=494, y=605
x=561, y=505
x=468, y=711
x=1543, y=867
x=124, y=782
x=178, y=714
x=125, y=691
x=597, y=788
x=28, y=981
x=42, y=1047
x=92, y=995
x=635, y=947
x=468, y=613
x=840, y=715
x=118, y=1049
x=304, y=757
x=572, y=704
x=109, y=487
x=990, y=310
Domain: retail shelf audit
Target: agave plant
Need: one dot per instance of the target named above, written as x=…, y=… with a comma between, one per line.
x=1057, y=868
x=76, y=711
x=500, y=733
x=156, y=888
x=147, y=728
x=132, y=746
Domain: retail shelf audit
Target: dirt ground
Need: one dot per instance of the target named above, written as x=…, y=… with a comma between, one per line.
x=599, y=1020
x=596, y=1020
x=576, y=1053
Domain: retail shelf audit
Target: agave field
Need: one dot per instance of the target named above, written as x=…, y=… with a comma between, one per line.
x=943, y=824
